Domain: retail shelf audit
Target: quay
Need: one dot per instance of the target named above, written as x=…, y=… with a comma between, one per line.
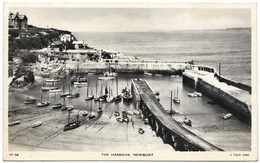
x=235, y=98
x=163, y=124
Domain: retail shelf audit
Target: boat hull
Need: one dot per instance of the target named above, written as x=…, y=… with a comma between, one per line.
x=71, y=126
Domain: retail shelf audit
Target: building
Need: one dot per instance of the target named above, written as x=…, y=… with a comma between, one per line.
x=17, y=21
x=56, y=46
x=66, y=37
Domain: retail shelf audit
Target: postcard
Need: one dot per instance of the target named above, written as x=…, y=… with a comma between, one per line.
x=130, y=81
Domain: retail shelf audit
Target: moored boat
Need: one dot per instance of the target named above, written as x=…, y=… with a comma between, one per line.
x=191, y=95
x=30, y=101
x=227, y=116
x=116, y=113
x=13, y=123
x=119, y=119
x=198, y=94
x=187, y=121
x=72, y=125
x=36, y=124
x=141, y=131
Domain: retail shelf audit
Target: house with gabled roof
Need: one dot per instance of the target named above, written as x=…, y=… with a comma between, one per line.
x=17, y=21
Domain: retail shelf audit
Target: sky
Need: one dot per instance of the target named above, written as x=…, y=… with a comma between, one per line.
x=107, y=19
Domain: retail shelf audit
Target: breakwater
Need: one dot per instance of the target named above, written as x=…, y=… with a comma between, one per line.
x=235, y=100
x=163, y=124
x=129, y=66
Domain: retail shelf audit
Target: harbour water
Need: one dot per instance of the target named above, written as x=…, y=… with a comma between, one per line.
x=207, y=119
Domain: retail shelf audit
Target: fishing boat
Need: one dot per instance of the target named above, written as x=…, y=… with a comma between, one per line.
x=129, y=112
x=136, y=112
x=118, y=96
x=64, y=94
x=96, y=97
x=119, y=119
x=56, y=105
x=89, y=97
x=158, y=74
x=50, y=87
x=43, y=103
x=30, y=100
x=127, y=96
x=13, y=123
x=141, y=131
x=125, y=117
x=148, y=73
x=52, y=80
x=116, y=113
x=72, y=125
x=73, y=95
x=81, y=81
x=84, y=113
x=176, y=98
x=91, y=114
x=187, y=121
x=36, y=124
x=108, y=75
x=103, y=97
x=110, y=97
x=54, y=90
x=227, y=116
x=198, y=94
x=180, y=121
x=192, y=95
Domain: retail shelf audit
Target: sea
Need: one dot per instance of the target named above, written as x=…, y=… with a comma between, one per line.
x=230, y=48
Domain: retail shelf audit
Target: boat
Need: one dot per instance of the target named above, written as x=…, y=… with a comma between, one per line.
x=198, y=94
x=180, y=121
x=141, y=131
x=176, y=98
x=118, y=96
x=108, y=75
x=54, y=90
x=187, y=121
x=64, y=94
x=127, y=96
x=91, y=114
x=69, y=107
x=73, y=95
x=110, y=97
x=43, y=103
x=47, y=88
x=72, y=125
x=136, y=112
x=103, y=97
x=13, y=123
x=99, y=110
x=30, y=101
x=227, y=116
x=52, y=80
x=157, y=74
x=56, y=105
x=89, y=97
x=148, y=73
x=84, y=113
x=119, y=119
x=81, y=81
x=126, y=119
x=116, y=113
x=146, y=121
x=36, y=124
x=129, y=112
x=191, y=95
x=96, y=97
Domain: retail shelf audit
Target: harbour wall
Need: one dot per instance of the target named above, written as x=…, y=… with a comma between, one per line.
x=171, y=68
x=234, y=83
x=237, y=107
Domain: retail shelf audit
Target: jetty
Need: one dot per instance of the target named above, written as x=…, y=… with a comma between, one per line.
x=171, y=132
x=233, y=96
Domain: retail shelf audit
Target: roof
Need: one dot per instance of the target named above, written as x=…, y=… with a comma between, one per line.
x=21, y=17
x=78, y=42
x=56, y=43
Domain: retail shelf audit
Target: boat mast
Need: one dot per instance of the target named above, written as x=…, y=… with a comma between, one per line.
x=116, y=86
x=96, y=89
x=177, y=92
x=41, y=97
x=171, y=102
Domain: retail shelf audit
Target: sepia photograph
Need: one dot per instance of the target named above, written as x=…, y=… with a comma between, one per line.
x=130, y=81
